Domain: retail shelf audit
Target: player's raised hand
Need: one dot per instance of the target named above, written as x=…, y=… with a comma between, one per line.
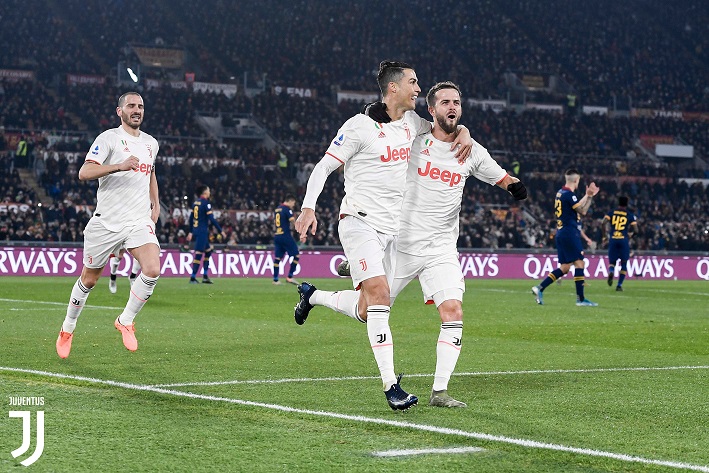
x=306, y=220
x=131, y=163
x=592, y=189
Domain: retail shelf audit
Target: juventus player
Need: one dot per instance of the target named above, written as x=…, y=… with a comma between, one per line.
x=375, y=156
x=127, y=208
x=429, y=230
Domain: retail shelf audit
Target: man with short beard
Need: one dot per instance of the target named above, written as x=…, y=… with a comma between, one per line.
x=428, y=236
x=127, y=209
x=375, y=156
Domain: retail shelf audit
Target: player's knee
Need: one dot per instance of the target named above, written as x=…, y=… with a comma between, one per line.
x=451, y=311
x=378, y=296
x=89, y=278
x=152, y=269
x=89, y=282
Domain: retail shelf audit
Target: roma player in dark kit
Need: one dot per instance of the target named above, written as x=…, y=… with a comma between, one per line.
x=618, y=225
x=568, y=209
x=283, y=241
x=199, y=230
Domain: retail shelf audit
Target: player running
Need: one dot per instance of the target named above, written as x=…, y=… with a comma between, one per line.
x=429, y=230
x=127, y=208
x=375, y=156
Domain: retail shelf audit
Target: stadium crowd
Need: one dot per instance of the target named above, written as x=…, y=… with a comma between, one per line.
x=594, y=49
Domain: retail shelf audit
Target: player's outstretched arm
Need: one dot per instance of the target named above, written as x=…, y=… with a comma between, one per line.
x=514, y=186
x=307, y=221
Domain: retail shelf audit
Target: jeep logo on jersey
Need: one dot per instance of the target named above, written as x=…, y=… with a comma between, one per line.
x=396, y=154
x=452, y=178
x=144, y=168
x=339, y=141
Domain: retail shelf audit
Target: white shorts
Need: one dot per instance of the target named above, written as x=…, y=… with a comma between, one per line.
x=440, y=276
x=100, y=243
x=370, y=253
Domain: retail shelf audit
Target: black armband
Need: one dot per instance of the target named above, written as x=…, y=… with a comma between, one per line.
x=517, y=190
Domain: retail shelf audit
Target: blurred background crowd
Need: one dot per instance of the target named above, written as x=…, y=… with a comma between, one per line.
x=548, y=85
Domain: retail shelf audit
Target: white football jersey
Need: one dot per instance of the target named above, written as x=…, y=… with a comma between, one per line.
x=123, y=198
x=434, y=191
x=376, y=156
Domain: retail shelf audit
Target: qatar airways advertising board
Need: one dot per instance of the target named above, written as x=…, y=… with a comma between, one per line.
x=28, y=261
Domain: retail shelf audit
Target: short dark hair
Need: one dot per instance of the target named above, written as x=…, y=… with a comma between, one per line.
x=571, y=171
x=289, y=197
x=431, y=95
x=390, y=71
x=623, y=200
x=122, y=98
x=201, y=189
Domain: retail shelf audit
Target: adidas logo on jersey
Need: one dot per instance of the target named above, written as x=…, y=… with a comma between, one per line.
x=382, y=135
x=425, y=151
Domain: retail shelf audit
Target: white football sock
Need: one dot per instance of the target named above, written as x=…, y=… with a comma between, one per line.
x=139, y=293
x=79, y=294
x=448, y=348
x=381, y=341
x=115, y=261
x=344, y=302
x=136, y=266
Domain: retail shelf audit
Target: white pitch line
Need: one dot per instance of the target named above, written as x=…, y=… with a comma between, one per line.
x=373, y=420
x=511, y=291
x=426, y=451
x=16, y=309
x=705, y=294
x=64, y=304
x=422, y=375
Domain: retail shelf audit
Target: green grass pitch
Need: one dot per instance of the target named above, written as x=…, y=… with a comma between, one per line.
x=280, y=397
